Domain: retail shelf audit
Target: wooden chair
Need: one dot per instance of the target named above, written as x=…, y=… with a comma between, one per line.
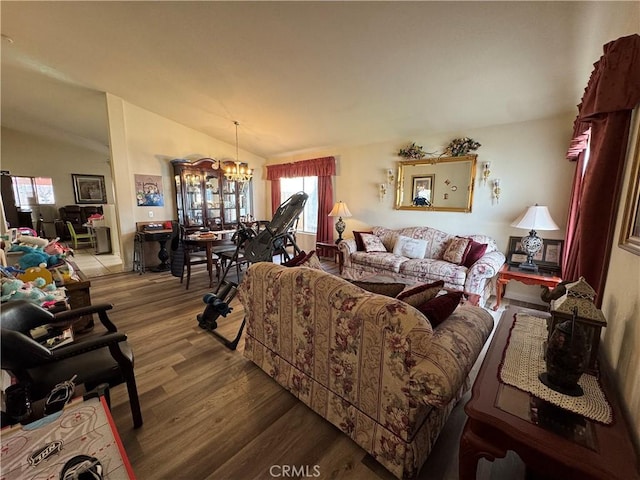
x=93, y=358
x=77, y=238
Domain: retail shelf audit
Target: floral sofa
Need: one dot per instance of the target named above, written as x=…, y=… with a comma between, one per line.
x=369, y=364
x=474, y=280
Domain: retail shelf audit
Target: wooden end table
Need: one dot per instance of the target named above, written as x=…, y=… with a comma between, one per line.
x=563, y=445
x=508, y=273
x=323, y=247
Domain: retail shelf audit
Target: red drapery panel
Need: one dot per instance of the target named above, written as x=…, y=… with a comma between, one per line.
x=323, y=168
x=611, y=94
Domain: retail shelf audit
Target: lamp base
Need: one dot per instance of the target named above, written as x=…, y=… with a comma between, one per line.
x=340, y=226
x=571, y=390
x=528, y=266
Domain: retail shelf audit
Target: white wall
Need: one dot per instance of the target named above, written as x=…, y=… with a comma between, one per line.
x=529, y=158
x=24, y=154
x=143, y=142
x=621, y=308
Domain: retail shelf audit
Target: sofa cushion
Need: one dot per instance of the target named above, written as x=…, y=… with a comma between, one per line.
x=357, y=236
x=378, y=260
x=456, y=250
x=372, y=243
x=438, y=309
x=475, y=251
x=410, y=247
x=453, y=275
x=416, y=295
x=311, y=260
x=381, y=288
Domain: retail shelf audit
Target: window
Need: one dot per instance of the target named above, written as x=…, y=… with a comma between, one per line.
x=308, y=221
x=30, y=191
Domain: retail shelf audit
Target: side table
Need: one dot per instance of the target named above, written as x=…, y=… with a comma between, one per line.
x=333, y=250
x=567, y=445
x=508, y=273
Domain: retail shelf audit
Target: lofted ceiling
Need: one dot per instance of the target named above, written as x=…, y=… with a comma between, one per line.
x=300, y=75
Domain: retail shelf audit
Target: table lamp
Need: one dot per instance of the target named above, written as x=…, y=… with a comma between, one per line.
x=536, y=217
x=340, y=210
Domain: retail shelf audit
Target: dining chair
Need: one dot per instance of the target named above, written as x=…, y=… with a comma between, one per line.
x=194, y=255
x=95, y=358
x=83, y=238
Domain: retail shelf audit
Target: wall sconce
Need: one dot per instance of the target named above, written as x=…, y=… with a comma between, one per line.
x=382, y=191
x=390, y=176
x=496, y=189
x=486, y=171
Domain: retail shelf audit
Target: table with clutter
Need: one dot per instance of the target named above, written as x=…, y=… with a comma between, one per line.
x=41, y=271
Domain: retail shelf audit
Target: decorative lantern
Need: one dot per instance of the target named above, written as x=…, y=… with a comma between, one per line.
x=580, y=296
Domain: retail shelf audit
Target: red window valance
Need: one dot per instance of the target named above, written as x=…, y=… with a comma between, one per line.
x=316, y=167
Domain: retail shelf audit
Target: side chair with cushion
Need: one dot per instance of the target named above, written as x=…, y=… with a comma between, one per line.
x=94, y=358
x=76, y=238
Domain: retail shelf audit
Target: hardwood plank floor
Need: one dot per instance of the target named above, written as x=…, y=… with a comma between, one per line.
x=209, y=413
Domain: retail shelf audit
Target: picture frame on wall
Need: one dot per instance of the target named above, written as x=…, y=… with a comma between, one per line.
x=89, y=188
x=549, y=258
x=422, y=189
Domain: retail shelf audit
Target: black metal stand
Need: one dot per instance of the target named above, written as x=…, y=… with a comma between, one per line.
x=218, y=304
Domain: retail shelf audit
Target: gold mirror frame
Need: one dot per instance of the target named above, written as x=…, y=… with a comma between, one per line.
x=432, y=171
x=630, y=231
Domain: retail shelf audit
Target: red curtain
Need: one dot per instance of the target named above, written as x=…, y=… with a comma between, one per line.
x=610, y=96
x=323, y=168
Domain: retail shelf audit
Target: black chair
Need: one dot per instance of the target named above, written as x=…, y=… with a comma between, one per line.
x=94, y=358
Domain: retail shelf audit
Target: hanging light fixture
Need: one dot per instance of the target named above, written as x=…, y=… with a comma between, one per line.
x=238, y=173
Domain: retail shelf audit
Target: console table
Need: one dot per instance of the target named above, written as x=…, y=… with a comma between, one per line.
x=567, y=446
x=508, y=273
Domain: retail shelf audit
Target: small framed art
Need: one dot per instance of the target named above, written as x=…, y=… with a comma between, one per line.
x=89, y=188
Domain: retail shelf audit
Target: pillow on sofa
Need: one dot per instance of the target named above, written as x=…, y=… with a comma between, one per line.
x=381, y=288
x=357, y=236
x=475, y=251
x=456, y=250
x=372, y=243
x=311, y=260
x=410, y=247
x=438, y=309
x=295, y=261
x=416, y=295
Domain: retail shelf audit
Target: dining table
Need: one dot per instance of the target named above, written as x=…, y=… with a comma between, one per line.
x=212, y=241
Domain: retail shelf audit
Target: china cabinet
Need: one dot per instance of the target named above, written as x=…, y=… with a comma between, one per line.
x=205, y=198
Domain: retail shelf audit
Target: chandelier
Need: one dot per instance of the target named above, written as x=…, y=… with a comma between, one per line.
x=238, y=173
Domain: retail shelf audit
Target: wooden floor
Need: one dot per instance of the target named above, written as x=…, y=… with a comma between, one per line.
x=209, y=413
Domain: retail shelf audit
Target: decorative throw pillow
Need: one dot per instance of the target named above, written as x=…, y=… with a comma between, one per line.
x=358, y=238
x=475, y=251
x=438, y=309
x=418, y=294
x=410, y=247
x=295, y=261
x=381, y=288
x=456, y=250
x=311, y=260
x=372, y=243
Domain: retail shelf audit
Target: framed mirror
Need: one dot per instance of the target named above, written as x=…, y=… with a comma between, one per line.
x=442, y=184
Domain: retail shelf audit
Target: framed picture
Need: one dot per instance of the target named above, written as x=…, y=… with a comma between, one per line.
x=149, y=192
x=89, y=188
x=548, y=258
x=422, y=190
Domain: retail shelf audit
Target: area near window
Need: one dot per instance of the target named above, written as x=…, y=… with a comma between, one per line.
x=308, y=221
x=30, y=191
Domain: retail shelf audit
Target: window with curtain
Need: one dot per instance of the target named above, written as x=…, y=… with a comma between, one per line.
x=33, y=191
x=308, y=221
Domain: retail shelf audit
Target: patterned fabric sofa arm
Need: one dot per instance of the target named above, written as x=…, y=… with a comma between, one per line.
x=346, y=248
x=455, y=347
x=485, y=268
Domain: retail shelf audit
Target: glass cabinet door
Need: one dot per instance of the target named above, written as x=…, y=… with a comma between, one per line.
x=229, y=202
x=213, y=203
x=193, y=197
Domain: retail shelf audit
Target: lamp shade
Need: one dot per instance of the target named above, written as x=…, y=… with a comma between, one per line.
x=536, y=217
x=340, y=209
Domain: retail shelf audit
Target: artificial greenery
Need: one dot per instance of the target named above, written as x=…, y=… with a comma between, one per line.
x=461, y=146
x=412, y=151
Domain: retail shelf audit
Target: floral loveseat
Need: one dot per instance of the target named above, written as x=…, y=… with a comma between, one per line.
x=474, y=279
x=369, y=364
